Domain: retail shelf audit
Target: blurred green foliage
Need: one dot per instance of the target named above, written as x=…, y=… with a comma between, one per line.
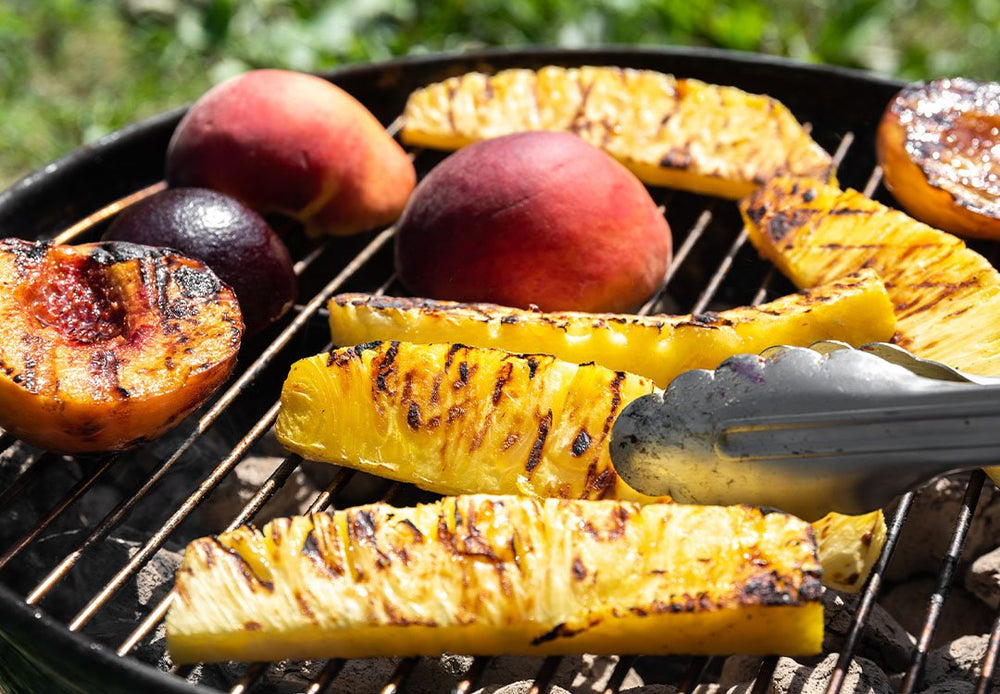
x=73, y=70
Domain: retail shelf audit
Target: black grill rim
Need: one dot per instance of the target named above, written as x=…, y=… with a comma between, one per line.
x=47, y=201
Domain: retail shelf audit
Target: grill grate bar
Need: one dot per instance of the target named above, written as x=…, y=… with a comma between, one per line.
x=765, y=284
x=945, y=577
x=325, y=498
x=7, y=441
x=869, y=595
x=274, y=482
x=842, y=148
x=543, y=678
x=618, y=675
x=146, y=625
x=33, y=467
x=107, y=212
x=327, y=675
x=720, y=273
x=985, y=683
x=399, y=677
x=765, y=673
x=873, y=182
x=300, y=266
x=78, y=490
x=692, y=676
x=473, y=676
x=682, y=253
x=253, y=673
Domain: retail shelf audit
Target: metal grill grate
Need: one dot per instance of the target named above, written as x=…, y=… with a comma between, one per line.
x=714, y=268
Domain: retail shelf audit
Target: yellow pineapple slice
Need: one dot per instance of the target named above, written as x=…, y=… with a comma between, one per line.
x=487, y=575
x=454, y=419
x=681, y=133
x=849, y=546
x=946, y=296
x=853, y=309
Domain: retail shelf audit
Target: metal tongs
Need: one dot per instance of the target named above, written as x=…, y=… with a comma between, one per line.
x=808, y=430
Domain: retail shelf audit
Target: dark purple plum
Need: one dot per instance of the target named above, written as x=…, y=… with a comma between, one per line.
x=229, y=237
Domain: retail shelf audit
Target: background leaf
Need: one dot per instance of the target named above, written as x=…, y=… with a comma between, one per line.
x=73, y=70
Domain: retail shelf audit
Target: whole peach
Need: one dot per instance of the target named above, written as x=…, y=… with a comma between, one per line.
x=535, y=218
x=295, y=144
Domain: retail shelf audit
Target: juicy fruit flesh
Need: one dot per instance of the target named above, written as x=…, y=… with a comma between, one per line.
x=501, y=575
x=952, y=131
x=455, y=419
x=105, y=346
x=680, y=133
x=853, y=309
x=75, y=298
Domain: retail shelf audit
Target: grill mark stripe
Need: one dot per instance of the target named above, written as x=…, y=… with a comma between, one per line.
x=616, y=400
x=535, y=456
x=505, y=376
x=386, y=367
x=245, y=569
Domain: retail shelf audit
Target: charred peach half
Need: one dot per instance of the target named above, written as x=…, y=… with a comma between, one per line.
x=939, y=146
x=104, y=346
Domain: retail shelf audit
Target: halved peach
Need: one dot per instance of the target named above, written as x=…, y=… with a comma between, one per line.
x=938, y=143
x=105, y=346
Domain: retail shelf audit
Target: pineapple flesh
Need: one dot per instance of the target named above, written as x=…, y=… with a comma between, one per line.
x=680, y=133
x=454, y=419
x=853, y=309
x=491, y=575
x=946, y=296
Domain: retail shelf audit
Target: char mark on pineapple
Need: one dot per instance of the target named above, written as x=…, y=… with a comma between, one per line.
x=212, y=548
x=784, y=222
x=538, y=445
x=386, y=367
x=503, y=378
x=581, y=443
x=312, y=550
x=616, y=402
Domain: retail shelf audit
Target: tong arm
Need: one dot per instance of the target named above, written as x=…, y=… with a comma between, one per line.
x=808, y=431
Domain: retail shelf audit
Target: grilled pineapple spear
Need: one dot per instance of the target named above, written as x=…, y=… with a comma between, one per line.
x=680, y=133
x=454, y=419
x=854, y=309
x=501, y=575
x=946, y=296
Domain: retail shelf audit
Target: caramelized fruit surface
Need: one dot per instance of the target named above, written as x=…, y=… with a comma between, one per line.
x=939, y=146
x=103, y=346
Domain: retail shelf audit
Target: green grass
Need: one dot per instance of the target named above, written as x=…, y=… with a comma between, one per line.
x=73, y=70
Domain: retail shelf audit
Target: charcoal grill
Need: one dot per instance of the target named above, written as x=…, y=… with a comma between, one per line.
x=51, y=645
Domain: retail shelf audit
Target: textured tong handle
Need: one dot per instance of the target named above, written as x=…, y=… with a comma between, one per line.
x=807, y=430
